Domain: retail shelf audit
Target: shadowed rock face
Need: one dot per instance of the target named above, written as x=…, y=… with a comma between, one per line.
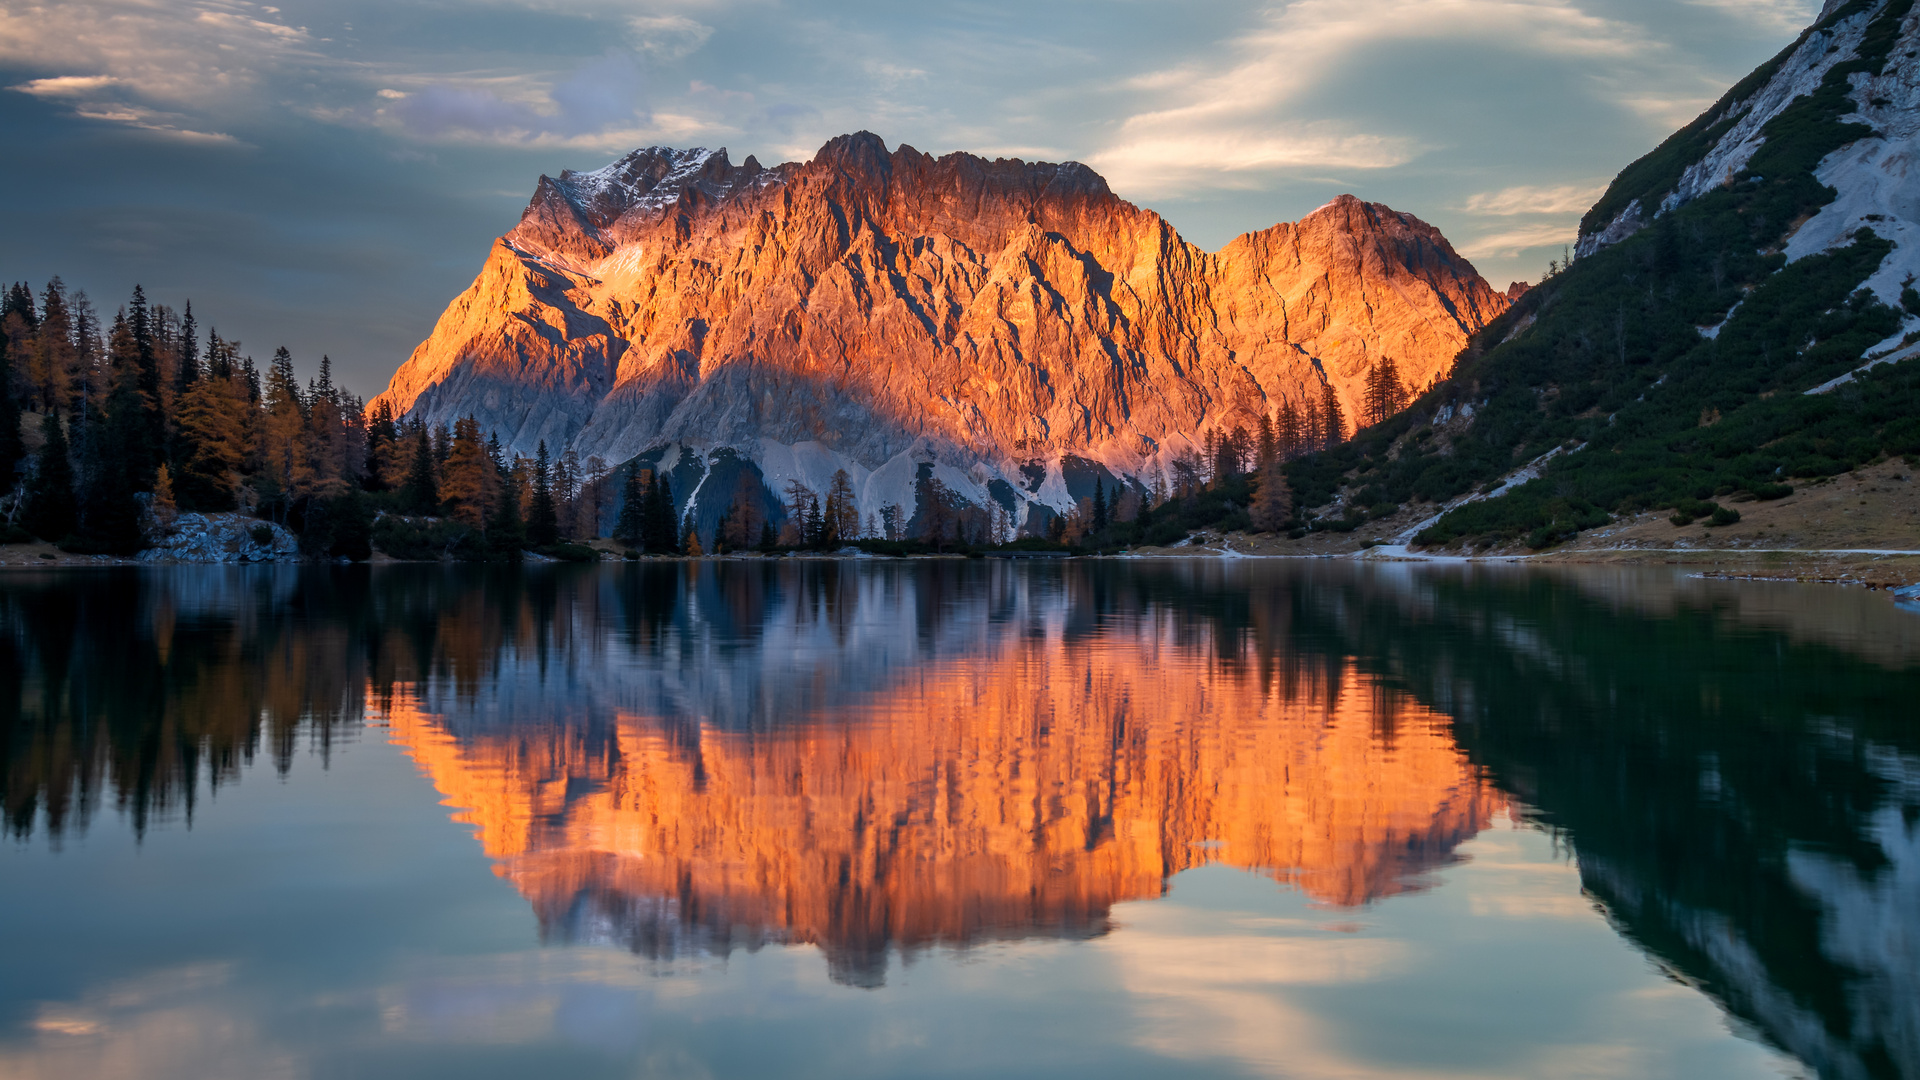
x=892, y=305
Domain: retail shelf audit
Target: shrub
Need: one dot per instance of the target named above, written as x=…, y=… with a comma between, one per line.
x=1723, y=515
x=425, y=539
x=261, y=534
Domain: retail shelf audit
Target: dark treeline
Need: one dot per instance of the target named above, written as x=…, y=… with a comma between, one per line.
x=1703, y=767
x=108, y=431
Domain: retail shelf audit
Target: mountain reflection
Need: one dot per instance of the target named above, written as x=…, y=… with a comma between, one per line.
x=1021, y=791
x=879, y=759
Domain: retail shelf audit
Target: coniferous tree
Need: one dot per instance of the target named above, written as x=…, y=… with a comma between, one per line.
x=145, y=428
x=211, y=444
x=506, y=530
x=50, y=371
x=1333, y=425
x=19, y=302
x=421, y=495
x=630, y=528
x=660, y=534
x=841, y=518
x=1099, y=506
x=189, y=371
x=383, y=450
x=543, y=517
x=12, y=450
x=470, y=480
x=746, y=515
x=1289, y=438
x=51, y=510
x=1272, y=500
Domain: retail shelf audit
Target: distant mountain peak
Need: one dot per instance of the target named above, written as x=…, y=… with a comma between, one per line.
x=885, y=311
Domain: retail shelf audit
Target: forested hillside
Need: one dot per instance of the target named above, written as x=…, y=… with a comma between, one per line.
x=1671, y=368
x=106, y=432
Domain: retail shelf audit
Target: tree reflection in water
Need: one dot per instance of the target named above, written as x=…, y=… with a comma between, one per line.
x=880, y=759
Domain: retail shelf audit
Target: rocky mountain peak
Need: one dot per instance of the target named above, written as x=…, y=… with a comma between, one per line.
x=890, y=312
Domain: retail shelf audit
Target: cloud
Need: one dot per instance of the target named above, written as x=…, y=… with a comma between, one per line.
x=1511, y=243
x=1169, y=162
x=669, y=36
x=1561, y=199
x=1780, y=15
x=159, y=67
x=602, y=96
x=1211, y=121
x=66, y=86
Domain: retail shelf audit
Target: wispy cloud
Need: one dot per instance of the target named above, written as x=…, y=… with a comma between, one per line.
x=1783, y=15
x=1512, y=242
x=1560, y=199
x=602, y=96
x=160, y=67
x=1239, y=103
x=670, y=36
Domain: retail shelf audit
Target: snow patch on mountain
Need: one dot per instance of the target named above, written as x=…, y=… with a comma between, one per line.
x=1801, y=75
x=1876, y=177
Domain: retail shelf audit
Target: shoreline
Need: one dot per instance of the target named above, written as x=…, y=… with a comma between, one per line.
x=1873, y=568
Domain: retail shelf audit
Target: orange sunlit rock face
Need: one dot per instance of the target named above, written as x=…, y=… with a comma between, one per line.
x=1022, y=793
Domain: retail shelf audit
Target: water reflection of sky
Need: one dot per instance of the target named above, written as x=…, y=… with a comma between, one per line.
x=854, y=829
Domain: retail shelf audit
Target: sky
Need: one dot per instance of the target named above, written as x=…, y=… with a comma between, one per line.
x=328, y=174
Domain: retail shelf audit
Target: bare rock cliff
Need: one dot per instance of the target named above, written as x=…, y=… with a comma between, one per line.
x=890, y=311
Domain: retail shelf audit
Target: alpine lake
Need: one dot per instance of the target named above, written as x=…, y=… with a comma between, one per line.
x=952, y=818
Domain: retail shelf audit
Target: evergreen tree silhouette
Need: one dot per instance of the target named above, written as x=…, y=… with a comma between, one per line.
x=543, y=518
x=630, y=527
x=422, y=493
x=50, y=513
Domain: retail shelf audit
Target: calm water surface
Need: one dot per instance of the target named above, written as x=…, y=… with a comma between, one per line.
x=958, y=819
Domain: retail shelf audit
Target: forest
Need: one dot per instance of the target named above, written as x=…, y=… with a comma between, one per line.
x=111, y=430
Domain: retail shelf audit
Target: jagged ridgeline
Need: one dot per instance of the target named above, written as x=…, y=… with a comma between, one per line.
x=1012, y=330
x=1760, y=253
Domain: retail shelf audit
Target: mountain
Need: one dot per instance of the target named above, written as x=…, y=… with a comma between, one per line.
x=1023, y=784
x=1010, y=327
x=1733, y=325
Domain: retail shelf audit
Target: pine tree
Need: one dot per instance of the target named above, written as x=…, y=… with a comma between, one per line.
x=1099, y=506
x=51, y=510
x=189, y=352
x=470, y=480
x=1272, y=500
x=383, y=450
x=51, y=369
x=690, y=542
x=146, y=428
x=841, y=520
x=543, y=519
x=1333, y=425
x=210, y=447
x=1289, y=437
x=1393, y=390
x=422, y=492
x=746, y=516
x=506, y=531
x=630, y=528
x=1269, y=446
x=660, y=518
x=12, y=450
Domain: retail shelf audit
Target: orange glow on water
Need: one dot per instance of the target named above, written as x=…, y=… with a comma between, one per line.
x=1020, y=793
